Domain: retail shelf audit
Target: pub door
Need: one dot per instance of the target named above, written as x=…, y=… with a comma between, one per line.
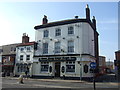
x=57, y=69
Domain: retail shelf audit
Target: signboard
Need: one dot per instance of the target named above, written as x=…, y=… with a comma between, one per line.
x=93, y=65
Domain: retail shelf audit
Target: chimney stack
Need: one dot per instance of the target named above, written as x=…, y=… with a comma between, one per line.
x=45, y=20
x=94, y=21
x=87, y=12
x=25, y=38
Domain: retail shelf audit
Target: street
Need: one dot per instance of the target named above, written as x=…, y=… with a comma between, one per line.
x=12, y=82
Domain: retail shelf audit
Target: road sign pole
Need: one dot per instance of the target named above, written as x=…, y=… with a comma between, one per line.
x=94, y=79
x=93, y=66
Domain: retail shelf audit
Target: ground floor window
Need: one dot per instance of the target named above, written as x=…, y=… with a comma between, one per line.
x=70, y=66
x=44, y=66
x=22, y=68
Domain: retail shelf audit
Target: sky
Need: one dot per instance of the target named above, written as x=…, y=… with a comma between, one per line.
x=17, y=18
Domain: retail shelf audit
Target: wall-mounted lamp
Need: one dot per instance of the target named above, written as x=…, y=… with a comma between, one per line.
x=77, y=36
x=63, y=37
x=51, y=39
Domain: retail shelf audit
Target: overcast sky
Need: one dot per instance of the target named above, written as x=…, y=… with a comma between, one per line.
x=17, y=18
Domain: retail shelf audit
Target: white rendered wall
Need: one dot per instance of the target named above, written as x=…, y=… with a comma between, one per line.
x=24, y=53
x=83, y=44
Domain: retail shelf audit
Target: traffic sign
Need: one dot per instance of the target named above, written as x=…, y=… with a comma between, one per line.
x=93, y=65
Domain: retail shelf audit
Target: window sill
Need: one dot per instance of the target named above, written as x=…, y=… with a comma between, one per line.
x=71, y=73
x=44, y=72
x=71, y=34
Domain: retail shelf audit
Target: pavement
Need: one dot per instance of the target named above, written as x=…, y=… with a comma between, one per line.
x=48, y=80
x=12, y=82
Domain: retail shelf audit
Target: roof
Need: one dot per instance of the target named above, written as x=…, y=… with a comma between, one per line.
x=26, y=44
x=117, y=51
x=63, y=22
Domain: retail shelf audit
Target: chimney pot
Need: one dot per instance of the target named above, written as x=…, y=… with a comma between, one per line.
x=45, y=20
x=87, y=6
x=87, y=12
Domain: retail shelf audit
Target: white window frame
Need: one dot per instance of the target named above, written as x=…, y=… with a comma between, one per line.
x=58, y=32
x=70, y=46
x=57, y=48
x=21, y=57
x=70, y=30
x=45, y=49
x=45, y=33
x=28, y=48
x=21, y=49
x=44, y=66
x=70, y=64
x=27, y=57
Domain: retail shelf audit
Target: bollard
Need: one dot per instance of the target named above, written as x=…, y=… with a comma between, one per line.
x=21, y=79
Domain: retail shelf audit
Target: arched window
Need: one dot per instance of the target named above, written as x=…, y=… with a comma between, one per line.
x=86, y=68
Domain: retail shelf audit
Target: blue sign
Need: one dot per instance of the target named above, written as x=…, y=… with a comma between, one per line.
x=93, y=65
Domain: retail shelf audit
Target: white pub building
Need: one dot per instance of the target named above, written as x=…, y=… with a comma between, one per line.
x=65, y=48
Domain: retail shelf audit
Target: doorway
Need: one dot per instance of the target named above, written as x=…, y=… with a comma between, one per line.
x=57, y=69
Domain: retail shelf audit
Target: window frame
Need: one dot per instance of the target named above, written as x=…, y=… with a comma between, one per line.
x=21, y=57
x=21, y=49
x=45, y=49
x=27, y=57
x=45, y=33
x=70, y=31
x=44, y=66
x=70, y=66
x=28, y=48
x=57, y=47
x=70, y=47
x=57, y=32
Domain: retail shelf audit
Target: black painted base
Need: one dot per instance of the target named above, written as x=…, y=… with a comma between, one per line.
x=63, y=77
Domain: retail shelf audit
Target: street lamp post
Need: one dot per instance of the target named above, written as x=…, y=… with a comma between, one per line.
x=79, y=62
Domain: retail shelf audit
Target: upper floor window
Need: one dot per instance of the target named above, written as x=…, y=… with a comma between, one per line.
x=70, y=30
x=1, y=50
x=58, y=32
x=28, y=48
x=21, y=57
x=70, y=46
x=46, y=33
x=45, y=48
x=22, y=49
x=12, y=48
x=57, y=47
x=27, y=57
